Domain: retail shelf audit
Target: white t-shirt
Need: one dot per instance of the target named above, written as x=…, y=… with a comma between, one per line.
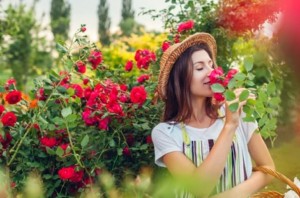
x=167, y=137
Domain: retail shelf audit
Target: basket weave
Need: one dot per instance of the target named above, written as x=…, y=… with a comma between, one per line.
x=279, y=176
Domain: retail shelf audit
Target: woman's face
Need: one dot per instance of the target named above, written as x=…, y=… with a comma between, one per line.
x=202, y=66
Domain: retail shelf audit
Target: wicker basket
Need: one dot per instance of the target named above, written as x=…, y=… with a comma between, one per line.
x=281, y=177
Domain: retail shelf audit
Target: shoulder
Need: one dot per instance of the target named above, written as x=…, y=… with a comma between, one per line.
x=166, y=129
x=164, y=126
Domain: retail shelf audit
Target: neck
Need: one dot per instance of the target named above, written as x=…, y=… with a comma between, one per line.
x=199, y=112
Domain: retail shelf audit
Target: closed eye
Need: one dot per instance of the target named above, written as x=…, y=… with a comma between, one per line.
x=199, y=69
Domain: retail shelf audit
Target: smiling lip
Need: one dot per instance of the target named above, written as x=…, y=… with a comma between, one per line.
x=207, y=82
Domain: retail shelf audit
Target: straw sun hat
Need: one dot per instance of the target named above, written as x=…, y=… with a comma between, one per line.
x=173, y=52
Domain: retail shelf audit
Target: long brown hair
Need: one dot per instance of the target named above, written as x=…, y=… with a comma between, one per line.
x=178, y=105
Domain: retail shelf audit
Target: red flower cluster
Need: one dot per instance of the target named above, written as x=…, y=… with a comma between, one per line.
x=217, y=76
x=144, y=58
x=232, y=14
x=40, y=94
x=95, y=58
x=13, y=97
x=165, y=45
x=104, y=97
x=5, y=141
x=185, y=26
x=143, y=78
x=9, y=82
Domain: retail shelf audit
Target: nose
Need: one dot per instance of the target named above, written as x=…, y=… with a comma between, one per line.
x=209, y=70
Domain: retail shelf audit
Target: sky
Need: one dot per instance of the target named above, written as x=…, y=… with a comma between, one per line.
x=85, y=12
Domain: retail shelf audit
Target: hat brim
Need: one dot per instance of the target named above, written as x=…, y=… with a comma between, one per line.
x=171, y=55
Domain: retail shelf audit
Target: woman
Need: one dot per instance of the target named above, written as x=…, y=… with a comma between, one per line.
x=206, y=143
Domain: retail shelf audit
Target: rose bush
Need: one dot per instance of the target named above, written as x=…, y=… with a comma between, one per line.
x=83, y=120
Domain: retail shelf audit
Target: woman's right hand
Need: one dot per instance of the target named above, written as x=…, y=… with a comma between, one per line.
x=232, y=118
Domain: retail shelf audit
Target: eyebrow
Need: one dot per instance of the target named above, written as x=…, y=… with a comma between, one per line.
x=201, y=62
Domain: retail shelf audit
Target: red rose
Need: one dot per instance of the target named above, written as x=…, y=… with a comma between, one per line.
x=87, y=117
x=126, y=151
x=130, y=139
x=123, y=87
x=40, y=94
x=129, y=66
x=165, y=45
x=138, y=95
x=80, y=67
x=219, y=97
x=95, y=58
x=2, y=109
x=83, y=29
x=78, y=90
x=231, y=73
x=13, y=97
x=143, y=78
x=77, y=176
x=9, y=119
x=216, y=76
x=9, y=82
x=48, y=141
x=148, y=139
x=103, y=124
x=185, y=26
x=123, y=98
x=85, y=81
x=177, y=38
x=64, y=146
x=66, y=173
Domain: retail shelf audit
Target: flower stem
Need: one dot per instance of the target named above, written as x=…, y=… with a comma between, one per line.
x=72, y=146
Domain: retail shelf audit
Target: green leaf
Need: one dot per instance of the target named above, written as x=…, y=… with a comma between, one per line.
x=229, y=95
x=60, y=48
x=250, y=83
x=61, y=89
x=2, y=90
x=50, y=151
x=71, y=91
x=271, y=88
x=247, y=109
x=233, y=107
x=244, y=95
x=218, y=88
x=85, y=141
x=71, y=118
x=66, y=111
x=251, y=102
x=240, y=76
x=144, y=146
x=112, y=143
x=248, y=119
x=59, y=151
x=232, y=84
x=120, y=151
x=248, y=63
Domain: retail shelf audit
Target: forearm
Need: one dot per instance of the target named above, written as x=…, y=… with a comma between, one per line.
x=257, y=181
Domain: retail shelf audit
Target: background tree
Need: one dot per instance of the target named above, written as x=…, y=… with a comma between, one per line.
x=104, y=23
x=25, y=53
x=60, y=19
x=128, y=25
